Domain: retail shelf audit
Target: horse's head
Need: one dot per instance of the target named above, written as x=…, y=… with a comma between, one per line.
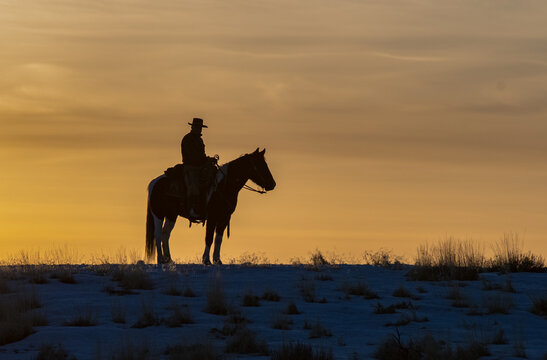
x=260, y=173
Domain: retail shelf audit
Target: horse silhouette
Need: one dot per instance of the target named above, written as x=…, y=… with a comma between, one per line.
x=163, y=209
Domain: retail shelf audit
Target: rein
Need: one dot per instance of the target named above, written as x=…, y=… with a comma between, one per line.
x=247, y=187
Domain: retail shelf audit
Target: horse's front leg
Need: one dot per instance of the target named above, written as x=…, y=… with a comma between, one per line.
x=208, y=242
x=218, y=243
x=165, y=234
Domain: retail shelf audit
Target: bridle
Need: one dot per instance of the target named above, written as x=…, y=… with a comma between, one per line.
x=247, y=187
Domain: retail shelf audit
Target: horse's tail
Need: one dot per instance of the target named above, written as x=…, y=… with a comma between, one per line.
x=150, y=246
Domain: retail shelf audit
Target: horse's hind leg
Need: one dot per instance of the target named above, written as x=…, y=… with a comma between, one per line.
x=218, y=242
x=158, y=230
x=166, y=233
x=208, y=242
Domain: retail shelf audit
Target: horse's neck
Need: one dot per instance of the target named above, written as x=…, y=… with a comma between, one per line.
x=236, y=176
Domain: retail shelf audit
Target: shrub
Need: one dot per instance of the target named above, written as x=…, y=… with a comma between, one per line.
x=499, y=337
x=317, y=330
x=407, y=318
x=147, y=316
x=539, y=305
x=299, y=351
x=282, y=322
x=216, y=299
x=250, y=300
x=16, y=316
x=427, y=347
x=118, y=312
x=359, y=289
x=127, y=349
x=317, y=259
x=64, y=275
x=132, y=277
x=324, y=277
x=244, y=341
x=292, y=309
x=450, y=259
x=401, y=291
x=383, y=258
x=497, y=303
x=178, y=317
x=307, y=290
x=270, y=296
x=509, y=256
x=83, y=316
x=51, y=352
x=391, y=309
x=192, y=352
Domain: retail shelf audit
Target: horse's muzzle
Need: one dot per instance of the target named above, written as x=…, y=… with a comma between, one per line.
x=270, y=186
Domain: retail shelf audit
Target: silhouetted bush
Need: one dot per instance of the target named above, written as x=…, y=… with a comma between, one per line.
x=300, y=351
x=192, y=352
x=51, y=352
x=509, y=256
x=539, y=305
x=449, y=259
x=427, y=347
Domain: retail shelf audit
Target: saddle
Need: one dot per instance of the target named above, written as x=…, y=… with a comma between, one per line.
x=192, y=187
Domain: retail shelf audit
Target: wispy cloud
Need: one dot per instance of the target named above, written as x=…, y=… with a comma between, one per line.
x=410, y=58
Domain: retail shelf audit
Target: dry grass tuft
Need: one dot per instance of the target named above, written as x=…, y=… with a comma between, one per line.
x=179, y=316
x=317, y=330
x=497, y=303
x=132, y=277
x=383, y=258
x=282, y=322
x=270, y=295
x=539, y=305
x=317, y=259
x=427, y=347
x=358, y=289
x=449, y=259
x=509, y=256
x=244, y=341
x=118, y=312
x=392, y=309
x=403, y=292
x=307, y=290
x=499, y=337
x=52, y=352
x=300, y=351
x=216, y=298
x=83, y=316
x=17, y=317
x=147, y=316
x=292, y=309
x=408, y=317
x=249, y=299
x=196, y=351
x=64, y=275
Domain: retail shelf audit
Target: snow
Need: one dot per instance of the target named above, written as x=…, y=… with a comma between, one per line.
x=355, y=328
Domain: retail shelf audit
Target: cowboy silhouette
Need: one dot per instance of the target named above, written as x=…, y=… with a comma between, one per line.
x=196, y=168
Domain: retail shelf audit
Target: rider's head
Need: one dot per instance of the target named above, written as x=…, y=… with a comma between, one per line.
x=197, y=125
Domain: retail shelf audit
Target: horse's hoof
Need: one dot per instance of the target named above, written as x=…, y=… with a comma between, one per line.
x=206, y=262
x=217, y=262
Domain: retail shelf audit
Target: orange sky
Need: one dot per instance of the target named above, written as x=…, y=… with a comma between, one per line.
x=386, y=123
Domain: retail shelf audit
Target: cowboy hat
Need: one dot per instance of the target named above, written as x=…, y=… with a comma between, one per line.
x=197, y=122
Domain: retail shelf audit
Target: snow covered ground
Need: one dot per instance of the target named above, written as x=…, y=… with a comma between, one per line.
x=337, y=307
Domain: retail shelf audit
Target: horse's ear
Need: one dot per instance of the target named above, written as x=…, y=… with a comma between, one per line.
x=263, y=151
x=256, y=150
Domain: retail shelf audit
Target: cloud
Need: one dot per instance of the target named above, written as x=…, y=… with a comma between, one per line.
x=410, y=58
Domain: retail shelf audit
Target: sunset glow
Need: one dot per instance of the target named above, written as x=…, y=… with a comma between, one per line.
x=386, y=123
